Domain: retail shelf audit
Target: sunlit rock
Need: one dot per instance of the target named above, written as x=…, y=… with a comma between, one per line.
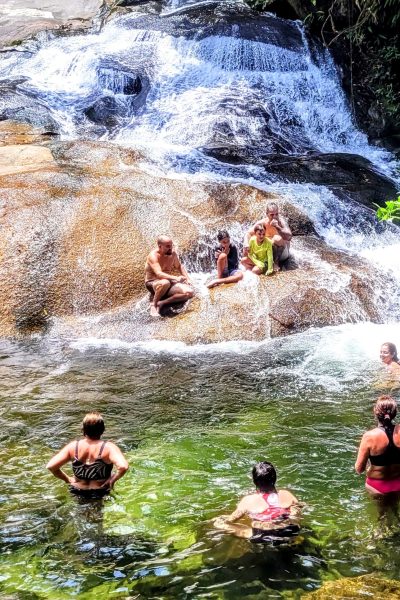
x=357, y=588
x=20, y=20
x=79, y=219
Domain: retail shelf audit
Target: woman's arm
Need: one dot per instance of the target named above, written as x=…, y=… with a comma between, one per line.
x=363, y=454
x=61, y=458
x=120, y=463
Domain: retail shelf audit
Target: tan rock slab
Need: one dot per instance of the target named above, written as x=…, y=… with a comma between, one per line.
x=22, y=158
x=20, y=19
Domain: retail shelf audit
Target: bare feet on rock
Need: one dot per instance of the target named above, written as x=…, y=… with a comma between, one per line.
x=154, y=311
x=212, y=283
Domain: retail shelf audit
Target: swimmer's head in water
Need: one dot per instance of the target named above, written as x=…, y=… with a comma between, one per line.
x=388, y=353
x=165, y=245
x=385, y=409
x=264, y=476
x=93, y=425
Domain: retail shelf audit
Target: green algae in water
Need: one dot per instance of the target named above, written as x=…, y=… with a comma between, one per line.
x=191, y=443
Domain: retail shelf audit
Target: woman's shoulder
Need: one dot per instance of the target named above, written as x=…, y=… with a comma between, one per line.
x=286, y=497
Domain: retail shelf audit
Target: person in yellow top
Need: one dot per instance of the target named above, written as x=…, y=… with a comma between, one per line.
x=259, y=257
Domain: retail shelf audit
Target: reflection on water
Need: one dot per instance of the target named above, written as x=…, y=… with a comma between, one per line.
x=192, y=421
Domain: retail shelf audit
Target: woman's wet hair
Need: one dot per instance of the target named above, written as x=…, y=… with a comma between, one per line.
x=93, y=425
x=264, y=476
x=385, y=409
x=392, y=349
x=222, y=234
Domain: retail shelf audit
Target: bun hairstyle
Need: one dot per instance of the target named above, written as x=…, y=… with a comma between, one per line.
x=385, y=409
x=393, y=350
x=264, y=476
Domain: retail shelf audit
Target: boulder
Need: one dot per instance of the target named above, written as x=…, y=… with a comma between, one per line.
x=23, y=158
x=346, y=174
x=357, y=588
x=15, y=105
x=14, y=133
x=79, y=222
x=18, y=22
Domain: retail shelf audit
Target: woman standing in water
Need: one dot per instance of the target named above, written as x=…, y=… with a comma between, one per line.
x=381, y=448
x=388, y=355
x=92, y=461
x=274, y=514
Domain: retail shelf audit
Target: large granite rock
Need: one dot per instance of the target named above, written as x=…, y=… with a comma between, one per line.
x=78, y=226
x=20, y=20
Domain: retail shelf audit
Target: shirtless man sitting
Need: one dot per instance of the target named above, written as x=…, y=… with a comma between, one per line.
x=277, y=230
x=166, y=277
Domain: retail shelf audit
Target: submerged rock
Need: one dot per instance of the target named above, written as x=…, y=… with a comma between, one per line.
x=357, y=588
x=78, y=227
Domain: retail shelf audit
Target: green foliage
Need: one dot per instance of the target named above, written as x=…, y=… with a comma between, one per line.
x=389, y=212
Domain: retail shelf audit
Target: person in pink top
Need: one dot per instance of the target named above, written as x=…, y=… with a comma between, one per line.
x=273, y=514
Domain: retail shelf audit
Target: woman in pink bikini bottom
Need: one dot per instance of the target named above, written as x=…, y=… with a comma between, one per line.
x=380, y=450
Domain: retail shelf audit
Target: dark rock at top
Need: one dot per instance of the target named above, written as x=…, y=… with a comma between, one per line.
x=221, y=19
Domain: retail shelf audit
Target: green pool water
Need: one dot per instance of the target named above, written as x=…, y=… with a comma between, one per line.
x=192, y=422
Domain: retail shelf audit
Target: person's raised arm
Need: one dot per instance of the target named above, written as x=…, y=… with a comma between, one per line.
x=363, y=454
x=61, y=458
x=120, y=463
x=283, y=228
x=160, y=274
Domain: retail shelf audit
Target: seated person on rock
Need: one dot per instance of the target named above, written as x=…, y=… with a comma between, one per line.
x=259, y=257
x=278, y=231
x=274, y=514
x=166, y=277
x=227, y=261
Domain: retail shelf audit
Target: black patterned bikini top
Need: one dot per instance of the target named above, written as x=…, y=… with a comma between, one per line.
x=95, y=471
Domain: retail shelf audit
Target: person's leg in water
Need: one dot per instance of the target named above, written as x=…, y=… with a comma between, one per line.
x=160, y=287
x=179, y=292
x=222, y=270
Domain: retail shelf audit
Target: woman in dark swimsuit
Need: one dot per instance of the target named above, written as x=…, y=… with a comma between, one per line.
x=380, y=449
x=92, y=461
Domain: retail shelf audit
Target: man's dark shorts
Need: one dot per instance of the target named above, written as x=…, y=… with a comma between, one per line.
x=229, y=272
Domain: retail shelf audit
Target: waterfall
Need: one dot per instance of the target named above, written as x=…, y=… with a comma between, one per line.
x=185, y=91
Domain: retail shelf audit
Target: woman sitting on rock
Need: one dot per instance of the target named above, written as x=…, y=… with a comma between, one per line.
x=274, y=514
x=92, y=460
x=380, y=450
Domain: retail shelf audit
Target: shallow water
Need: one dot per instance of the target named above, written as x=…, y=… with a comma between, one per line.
x=192, y=421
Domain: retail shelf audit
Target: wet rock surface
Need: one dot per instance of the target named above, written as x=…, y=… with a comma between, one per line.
x=343, y=173
x=357, y=588
x=20, y=20
x=78, y=227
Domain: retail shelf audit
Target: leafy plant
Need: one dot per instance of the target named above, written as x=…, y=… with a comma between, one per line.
x=389, y=212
